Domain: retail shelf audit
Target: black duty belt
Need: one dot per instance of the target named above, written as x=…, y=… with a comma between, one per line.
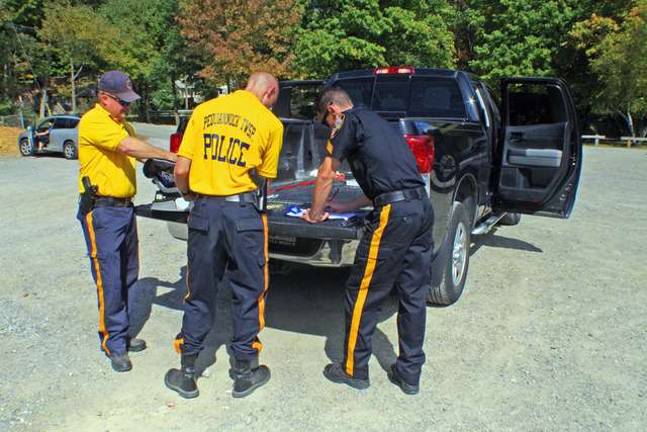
x=102, y=201
x=245, y=197
x=401, y=195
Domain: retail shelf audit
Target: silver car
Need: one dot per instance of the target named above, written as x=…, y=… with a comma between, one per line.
x=55, y=134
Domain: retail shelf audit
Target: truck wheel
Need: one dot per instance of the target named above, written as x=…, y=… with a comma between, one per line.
x=510, y=219
x=69, y=150
x=449, y=269
x=26, y=147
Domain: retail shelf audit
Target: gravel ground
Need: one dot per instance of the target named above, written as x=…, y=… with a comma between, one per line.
x=550, y=335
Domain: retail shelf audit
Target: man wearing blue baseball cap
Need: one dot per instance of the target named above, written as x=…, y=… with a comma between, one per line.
x=108, y=151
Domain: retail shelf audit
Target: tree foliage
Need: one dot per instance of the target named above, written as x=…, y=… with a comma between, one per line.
x=349, y=34
x=78, y=35
x=519, y=38
x=152, y=46
x=597, y=46
x=620, y=63
x=232, y=38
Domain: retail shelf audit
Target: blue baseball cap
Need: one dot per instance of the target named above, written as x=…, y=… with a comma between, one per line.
x=118, y=84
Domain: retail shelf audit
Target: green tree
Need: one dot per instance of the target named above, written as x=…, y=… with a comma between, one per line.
x=18, y=19
x=150, y=38
x=519, y=38
x=81, y=39
x=620, y=63
x=350, y=34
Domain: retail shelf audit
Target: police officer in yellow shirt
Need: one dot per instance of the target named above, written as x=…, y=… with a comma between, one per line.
x=226, y=140
x=108, y=150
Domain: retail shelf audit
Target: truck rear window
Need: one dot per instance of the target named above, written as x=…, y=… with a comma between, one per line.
x=413, y=96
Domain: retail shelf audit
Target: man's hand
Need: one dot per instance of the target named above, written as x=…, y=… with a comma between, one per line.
x=314, y=218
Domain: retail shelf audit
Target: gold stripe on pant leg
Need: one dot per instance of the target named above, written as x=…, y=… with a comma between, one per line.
x=363, y=288
x=257, y=345
x=97, y=269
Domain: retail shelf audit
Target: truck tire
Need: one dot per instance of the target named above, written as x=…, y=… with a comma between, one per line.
x=510, y=219
x=26, y=147
x=69, y=150
x=449, y=268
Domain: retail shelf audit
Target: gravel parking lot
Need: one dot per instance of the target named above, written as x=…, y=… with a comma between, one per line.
x=550, y=335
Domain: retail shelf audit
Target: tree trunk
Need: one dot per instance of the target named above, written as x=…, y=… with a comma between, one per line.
x=72, y=80
x=176, y=115
x=630, y=123
x=43, y=101
x=626, y=116
x=147, y=103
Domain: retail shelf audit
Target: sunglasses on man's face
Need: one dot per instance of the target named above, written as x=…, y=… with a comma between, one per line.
x=123, y=103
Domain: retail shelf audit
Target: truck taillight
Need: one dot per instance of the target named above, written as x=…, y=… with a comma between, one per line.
x=422, y=147
x=176, y=140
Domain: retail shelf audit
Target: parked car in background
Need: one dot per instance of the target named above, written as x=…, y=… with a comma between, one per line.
x=55, y=134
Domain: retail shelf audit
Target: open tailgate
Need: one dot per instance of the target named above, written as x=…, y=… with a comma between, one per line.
x=169, y=206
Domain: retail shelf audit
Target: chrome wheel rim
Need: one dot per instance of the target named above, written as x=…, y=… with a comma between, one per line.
x=459, y=254
x=25, y=147
x=69, y=151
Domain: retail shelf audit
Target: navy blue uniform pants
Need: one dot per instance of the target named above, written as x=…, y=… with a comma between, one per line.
x=395, y=252
x=225, y=238
x=111, y=238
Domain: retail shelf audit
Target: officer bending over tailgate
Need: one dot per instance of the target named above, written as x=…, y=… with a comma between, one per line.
x=108, y=150
x=397, y=243
x=226, y=139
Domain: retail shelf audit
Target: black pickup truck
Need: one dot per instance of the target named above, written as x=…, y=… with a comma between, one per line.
x=484, y=162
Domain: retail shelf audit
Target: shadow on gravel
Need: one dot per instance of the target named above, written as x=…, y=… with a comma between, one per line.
x=307, y=300
x=310, y=300
x=497, y=241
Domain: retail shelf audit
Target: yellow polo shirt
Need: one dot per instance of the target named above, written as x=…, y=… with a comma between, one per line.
x=111, y=171
x=228, y=137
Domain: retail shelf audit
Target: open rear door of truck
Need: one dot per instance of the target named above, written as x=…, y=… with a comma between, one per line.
x=539, y=158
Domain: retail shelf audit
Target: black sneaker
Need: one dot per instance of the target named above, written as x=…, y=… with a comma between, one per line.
x=183, y=382
x=136, y=345
x=396, y=379
x=120, y=362
x=335, y=373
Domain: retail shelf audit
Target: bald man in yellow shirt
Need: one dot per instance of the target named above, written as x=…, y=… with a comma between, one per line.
x=108, y=151
x=227, y=140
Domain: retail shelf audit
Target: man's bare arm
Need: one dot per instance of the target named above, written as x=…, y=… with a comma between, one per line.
x=139, y=149
x=323, y=185
x=181, y=173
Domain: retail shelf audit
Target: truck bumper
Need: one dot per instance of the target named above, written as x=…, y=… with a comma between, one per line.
x=329, y=244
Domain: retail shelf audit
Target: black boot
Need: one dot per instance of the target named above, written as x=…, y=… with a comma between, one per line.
x=248, y=377
x=397, y=379
x=335, y=373
x=135, y=344
x=120, y=362
x=183, y=381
